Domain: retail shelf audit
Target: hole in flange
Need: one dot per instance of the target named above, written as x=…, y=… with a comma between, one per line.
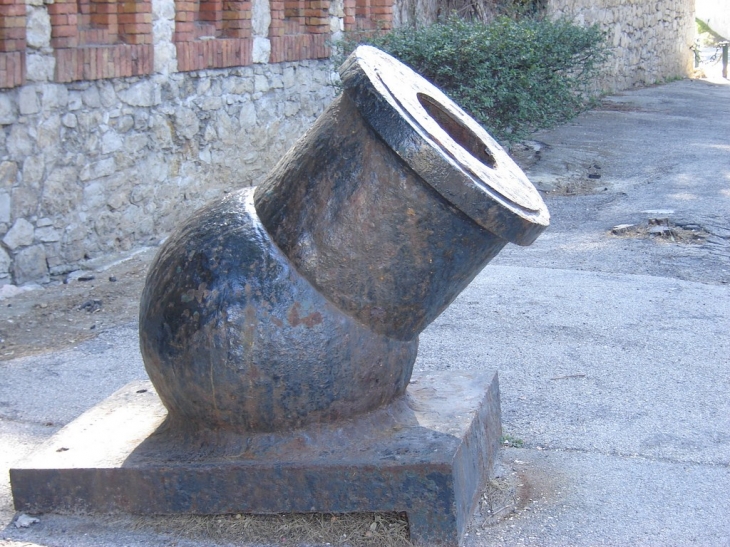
x=462, y=135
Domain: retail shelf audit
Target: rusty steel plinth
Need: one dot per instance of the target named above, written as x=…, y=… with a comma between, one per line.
x=303, y=302
x=427, y=454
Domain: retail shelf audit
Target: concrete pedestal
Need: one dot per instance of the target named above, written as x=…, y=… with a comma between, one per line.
x=428, y=453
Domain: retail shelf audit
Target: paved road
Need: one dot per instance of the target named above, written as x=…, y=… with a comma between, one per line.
x=612, y=350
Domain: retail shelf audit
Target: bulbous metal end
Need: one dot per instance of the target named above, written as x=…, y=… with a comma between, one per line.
x=233, y=336
x=444, y=145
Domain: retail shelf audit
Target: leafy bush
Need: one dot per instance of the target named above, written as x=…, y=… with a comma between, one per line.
x=513, y=76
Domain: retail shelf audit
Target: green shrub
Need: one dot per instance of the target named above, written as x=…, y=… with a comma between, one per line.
x=513, y=76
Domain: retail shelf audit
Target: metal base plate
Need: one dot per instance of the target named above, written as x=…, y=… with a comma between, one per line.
x=429, y=454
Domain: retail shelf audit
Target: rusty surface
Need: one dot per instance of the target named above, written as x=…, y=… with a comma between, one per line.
x=234, y=336
x=367, y=231
x=428, y=453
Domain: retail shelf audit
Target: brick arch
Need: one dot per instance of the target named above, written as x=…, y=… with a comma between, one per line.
x=94, y=39
x=97, y=22
x=299, y=30
x=368, y=15
x=12, y=43
x=212, y=33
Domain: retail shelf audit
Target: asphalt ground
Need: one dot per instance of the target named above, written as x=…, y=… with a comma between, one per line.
x=612, y=348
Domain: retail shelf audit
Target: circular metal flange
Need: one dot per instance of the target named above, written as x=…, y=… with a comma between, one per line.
x=444, y=145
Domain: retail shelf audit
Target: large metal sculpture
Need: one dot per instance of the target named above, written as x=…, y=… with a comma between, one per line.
x=303, y=301
x=280, y=326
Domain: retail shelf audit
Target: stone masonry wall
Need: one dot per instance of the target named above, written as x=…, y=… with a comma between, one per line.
x=650, y=41
x=119, y=118
x=90, y=168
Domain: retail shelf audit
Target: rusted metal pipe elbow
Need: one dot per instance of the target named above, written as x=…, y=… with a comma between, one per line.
x=302, y=301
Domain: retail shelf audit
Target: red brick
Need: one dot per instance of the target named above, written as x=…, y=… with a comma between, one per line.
x=135, y=18
x=62, y=66
x=138, y=62
x=113, y=60
x=12, y=35
x=191, y=56
x=134, y=64
x=12, y=69
x=17, y=33
x=134, y=39
x=105, y=69
x=145, y=64
x=13, y=21
x=314, y=20
x=83, y=63
x=180, y=50
x=207, y=7
x=107, y=63
x=98, y=63
x=125, y=61
x=89, y=63
x=65, y=42
x=183, y=37
x=184, y=16
x=103, y=8
x=15, y=10
x=229, y=15
x=216, y=50
x=61, y=7
x=185, y=6
x=134, y=60
x=62, y=31
x=129, y=7
x=184, y=27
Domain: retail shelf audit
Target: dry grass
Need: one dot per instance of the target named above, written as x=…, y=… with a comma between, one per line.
x=356, y=529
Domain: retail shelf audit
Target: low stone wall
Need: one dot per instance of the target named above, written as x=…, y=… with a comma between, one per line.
x=89, y=168
x=650, y=40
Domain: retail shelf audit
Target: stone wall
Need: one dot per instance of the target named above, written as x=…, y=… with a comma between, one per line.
x=90, y=168
x=650, y=40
